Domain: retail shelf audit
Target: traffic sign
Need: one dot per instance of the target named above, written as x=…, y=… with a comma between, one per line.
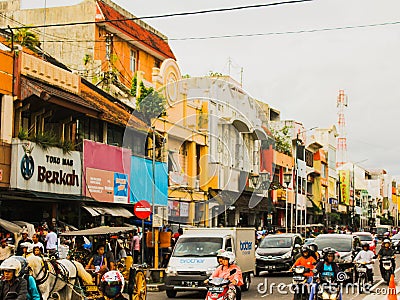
x=142, y=209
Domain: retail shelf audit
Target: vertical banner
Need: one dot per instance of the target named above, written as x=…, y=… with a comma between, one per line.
x=344, y=186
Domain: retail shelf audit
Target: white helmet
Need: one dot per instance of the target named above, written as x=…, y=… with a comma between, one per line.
x=27, y=245
x=112, y=283
x=11, y=264
x=229, y=255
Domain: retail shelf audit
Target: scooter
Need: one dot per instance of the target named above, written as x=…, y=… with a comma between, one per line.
x=387, y=268
x=299, y=282
x=361, y=269
x=217, y=288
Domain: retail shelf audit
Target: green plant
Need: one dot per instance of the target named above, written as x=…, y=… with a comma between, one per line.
x=66, y=146
x=283, y=143
x=23, y=134
x=25, y=37
x=150, y=103
x=45, y=140
x=214, y=74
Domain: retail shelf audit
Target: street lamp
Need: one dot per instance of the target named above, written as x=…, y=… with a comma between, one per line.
x=296, y=174
x=287, y=178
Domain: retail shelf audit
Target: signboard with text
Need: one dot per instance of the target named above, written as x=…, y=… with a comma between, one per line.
x=344, y=186
x=51, y=170
x=106, y=172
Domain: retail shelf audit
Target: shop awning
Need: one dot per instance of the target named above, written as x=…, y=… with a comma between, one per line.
x=112, y=211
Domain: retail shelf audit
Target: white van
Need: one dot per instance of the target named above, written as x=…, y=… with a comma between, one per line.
x=194, y=257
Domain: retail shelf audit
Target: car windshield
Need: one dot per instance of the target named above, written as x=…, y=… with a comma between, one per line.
x=382, y=230
x=365, y=238
x=339, y=244
x=197, y=246
x=276, y=242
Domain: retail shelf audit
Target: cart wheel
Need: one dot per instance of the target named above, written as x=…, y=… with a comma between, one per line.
x=140, y=289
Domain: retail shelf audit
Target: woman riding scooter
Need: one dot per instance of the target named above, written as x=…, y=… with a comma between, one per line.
x=227, y=264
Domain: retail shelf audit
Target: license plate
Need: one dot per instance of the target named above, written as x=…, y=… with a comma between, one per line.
x=190, y=283
x=92, y=288
x=298, y=278
x=216, y=289
x=270, y=267
x=362, y=270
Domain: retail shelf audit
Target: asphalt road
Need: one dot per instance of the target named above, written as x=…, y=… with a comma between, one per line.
x=266, y=287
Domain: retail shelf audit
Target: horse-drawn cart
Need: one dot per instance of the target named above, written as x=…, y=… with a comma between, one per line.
x=134, y=274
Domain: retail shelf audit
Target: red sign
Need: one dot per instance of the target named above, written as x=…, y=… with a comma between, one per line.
x=142, y=209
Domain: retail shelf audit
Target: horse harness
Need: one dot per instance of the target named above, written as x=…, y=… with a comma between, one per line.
x=59, y=271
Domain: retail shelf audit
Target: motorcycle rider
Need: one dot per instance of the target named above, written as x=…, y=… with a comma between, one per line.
x=366, y=256
x=33, y=291
x=11, y=281
x=112, y=285
x=307, y=261
x=386, y=250
x=227, y=259
x=314, y=251
x=327, y=268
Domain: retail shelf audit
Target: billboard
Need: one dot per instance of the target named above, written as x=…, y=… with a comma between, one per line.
x=344, y=176
x=106, y=172
x=50, y=170
x=141, y=183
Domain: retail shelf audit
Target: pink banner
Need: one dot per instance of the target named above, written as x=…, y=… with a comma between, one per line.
x=99, y=158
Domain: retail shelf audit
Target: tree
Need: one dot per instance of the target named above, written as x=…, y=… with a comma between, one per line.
x=283, y=143
x=150, y=103
x=25, y=37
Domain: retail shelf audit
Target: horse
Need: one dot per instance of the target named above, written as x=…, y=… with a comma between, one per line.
x=51, y=279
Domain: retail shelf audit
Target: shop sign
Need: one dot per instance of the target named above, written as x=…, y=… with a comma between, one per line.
x=50, y=170
x=106, y=186
x=344, y=176
x=106, y=172
x=184, y=209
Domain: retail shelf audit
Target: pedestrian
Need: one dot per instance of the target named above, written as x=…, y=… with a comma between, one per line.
x=24, y=239
x=135, y=247
x=37, y=243
x=51, y=242
x=6, y=250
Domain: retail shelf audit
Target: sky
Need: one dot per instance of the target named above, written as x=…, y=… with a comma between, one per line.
x=298, y=74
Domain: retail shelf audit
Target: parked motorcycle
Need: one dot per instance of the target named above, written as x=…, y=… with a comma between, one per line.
x=300, y=286
x=386, y=268
x=217, y=288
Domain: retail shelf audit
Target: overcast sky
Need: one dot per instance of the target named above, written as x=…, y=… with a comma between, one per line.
x=299, y=74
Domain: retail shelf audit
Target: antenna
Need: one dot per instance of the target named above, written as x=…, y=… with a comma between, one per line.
x=341, y=104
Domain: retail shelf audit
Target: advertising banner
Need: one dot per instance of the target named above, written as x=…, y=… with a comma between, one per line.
x=106, y=172
x=344, y=186
x=51, y=170
x=141, y=181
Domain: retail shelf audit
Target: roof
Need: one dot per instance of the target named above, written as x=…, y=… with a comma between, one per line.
x=334, y=235
x=112, y=112
x=102, y=230
x=137, y=32
x=283, y=235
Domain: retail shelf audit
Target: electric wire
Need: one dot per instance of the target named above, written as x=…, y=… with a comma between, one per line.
x=199, y=12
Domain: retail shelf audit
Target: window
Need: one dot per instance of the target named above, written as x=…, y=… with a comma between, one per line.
x=132, y=61
x=114, y=135
x=228, y=246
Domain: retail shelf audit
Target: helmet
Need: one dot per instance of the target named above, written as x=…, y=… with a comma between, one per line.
x=305, y=248
x=365, y=245
x=28, y=246
x=220, y=252
x=386, y=241
x=112, y=283
x=24, y=264
x=11, y=264
x=313, y=247
x=228, y=255
x=328, y=250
